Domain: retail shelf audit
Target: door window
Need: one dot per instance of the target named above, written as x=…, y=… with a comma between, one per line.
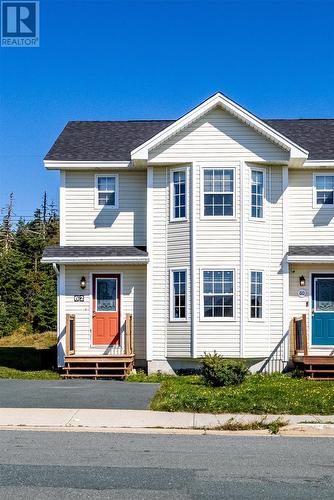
x=324, y=295
x=106, y=294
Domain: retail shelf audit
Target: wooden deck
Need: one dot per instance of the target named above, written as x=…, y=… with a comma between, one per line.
x=98, y=366
x=316, y=367
x=91, y=366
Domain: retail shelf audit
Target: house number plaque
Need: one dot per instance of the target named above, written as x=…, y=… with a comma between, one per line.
x=79, y=298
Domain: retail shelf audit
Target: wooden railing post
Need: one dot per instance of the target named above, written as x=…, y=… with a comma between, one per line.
x=128, y=334
x=304, y=329
x=294, y=335
x=70, y=334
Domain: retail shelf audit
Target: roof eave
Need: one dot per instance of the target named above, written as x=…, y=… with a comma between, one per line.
x=84, y=164
x=95, y=260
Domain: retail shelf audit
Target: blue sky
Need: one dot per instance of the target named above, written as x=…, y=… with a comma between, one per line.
x=106, y=60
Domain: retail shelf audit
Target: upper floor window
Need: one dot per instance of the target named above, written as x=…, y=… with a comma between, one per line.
x=107, y=191
x=179, y=194
x=218, y=192
x=256, y=292
x=257, y=193
x=178, y=303
x=218, y=293
x=324, y=190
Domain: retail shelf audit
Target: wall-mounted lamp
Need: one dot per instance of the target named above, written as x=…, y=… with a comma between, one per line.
x=301, y=281
x=83, y=282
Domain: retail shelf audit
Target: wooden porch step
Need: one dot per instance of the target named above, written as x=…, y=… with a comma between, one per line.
x=329, y=379
x=119, y=366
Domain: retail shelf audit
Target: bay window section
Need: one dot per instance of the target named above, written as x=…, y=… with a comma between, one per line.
x=178, y=302
x=218, y=294
x=218, y=192
x=256, y=294
x=257, y=194
x=178, y=195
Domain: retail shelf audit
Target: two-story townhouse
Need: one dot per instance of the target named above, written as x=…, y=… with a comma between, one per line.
x=213, y=232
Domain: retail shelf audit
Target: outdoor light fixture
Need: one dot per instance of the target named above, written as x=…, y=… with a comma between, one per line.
x=301, y=281
x=83, y=282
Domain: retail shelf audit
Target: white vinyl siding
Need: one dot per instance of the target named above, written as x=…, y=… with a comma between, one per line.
x=133, y=301
x=84, y=224
x=218, y=135
x=308, y=224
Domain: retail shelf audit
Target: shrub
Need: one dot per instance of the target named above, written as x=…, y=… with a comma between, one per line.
x=219, y=372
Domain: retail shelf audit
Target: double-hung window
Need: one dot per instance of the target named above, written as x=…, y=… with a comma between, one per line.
x=256, y=294
x=107, y=191
x=178, y=195
x=178, y=302
x=257, y=194
x=218, y=292
x=324, y=190
x=218, y=192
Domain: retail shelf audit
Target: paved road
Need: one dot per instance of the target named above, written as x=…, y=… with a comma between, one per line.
x=75, y=394
x=59, y=465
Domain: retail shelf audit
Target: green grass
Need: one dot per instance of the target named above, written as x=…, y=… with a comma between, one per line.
x=259, y=394
x=28, y=356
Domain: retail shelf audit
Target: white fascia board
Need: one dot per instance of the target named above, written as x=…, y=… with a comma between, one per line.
x=83, y=165
x=319, y=163
x=295, y=259
x=94, y=260
x=219, y=99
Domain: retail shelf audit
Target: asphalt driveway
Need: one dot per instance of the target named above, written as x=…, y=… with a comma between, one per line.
x=86, y=394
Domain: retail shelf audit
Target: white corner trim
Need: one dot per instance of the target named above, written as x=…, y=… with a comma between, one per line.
x=242, y=171
x=61, y=318
x=193, y=261
x=285, y=249
x=149, y=271
x=62, y=209
x=83, y=165
x=96, y=193
x=171, y=194
x=227, y=104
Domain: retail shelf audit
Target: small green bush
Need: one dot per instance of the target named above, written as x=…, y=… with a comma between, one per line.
x=220, y=372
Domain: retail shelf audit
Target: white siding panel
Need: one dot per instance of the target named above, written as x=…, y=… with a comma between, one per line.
x=87, y=225
x=133, y=301
x=308, y=225
x=217, y=134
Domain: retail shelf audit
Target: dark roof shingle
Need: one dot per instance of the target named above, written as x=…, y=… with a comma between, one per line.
x=312, y=250
x=114, y=140
x=93, y=251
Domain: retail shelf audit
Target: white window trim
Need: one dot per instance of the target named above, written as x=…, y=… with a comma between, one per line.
x=171, y=295
x=315, y=175
x=171, y=195
x=218, y=217
x=257, y=219
x=217, y=320
x=263, y=319
x=107, y=207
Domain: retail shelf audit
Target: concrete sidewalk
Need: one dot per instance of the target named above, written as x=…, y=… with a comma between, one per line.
x=142, y=419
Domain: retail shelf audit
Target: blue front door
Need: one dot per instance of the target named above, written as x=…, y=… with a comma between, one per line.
x=323, y=310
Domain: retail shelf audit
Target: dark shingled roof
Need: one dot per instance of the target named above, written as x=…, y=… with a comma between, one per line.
x=114, y=140
x=93, y=251
x=312, y=250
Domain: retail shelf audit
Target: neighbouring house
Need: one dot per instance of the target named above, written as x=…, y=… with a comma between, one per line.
x=213, y=232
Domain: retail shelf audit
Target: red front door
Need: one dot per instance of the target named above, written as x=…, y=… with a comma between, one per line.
x=106, y=309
